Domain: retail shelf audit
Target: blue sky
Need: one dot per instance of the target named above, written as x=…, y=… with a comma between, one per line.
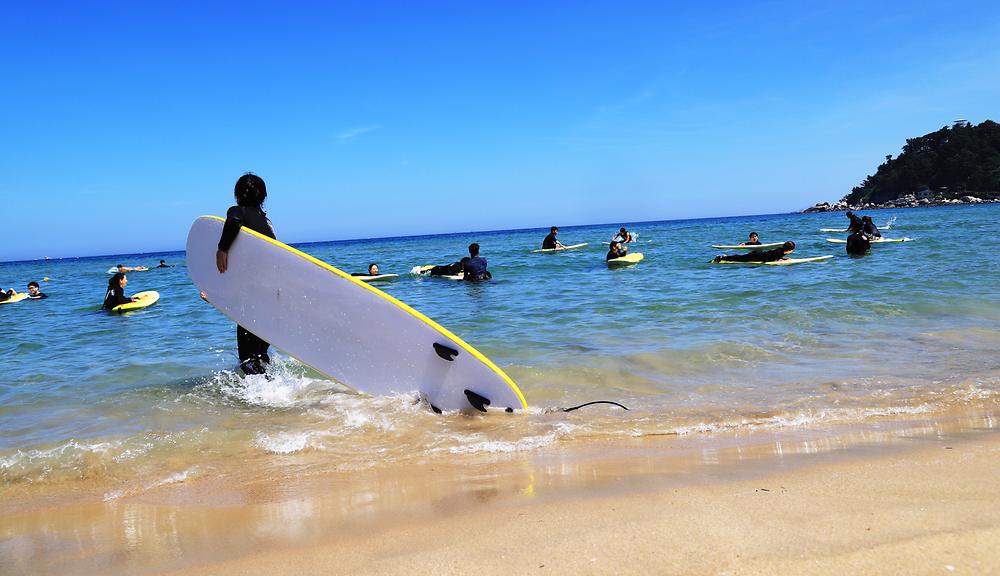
x=122, y=122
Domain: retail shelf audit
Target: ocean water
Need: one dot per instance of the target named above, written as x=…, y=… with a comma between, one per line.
x=135, y=401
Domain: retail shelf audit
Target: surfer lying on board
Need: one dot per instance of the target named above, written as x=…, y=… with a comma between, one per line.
x=163, y=264
x=6, y=294
x=760, y=255
x=122, y=268
x=869, y=229
x=115, y=295
x=616, y=250
x=474, y=265
x=453, y=269
x=550, y=242
x=753, y=241
x=623, y=236
x=250, y=192
x=372, y=271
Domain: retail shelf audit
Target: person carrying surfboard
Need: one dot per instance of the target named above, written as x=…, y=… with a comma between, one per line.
x=474, y=265
x=550, y=242
x=760, y=255
x=250, y=193
x=616, y=250
x=115, y=296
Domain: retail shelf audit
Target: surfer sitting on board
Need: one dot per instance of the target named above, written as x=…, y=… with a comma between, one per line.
x=869, y=229
x=616, y=250
x=760, y=255
x=623, y=236
x=250, y=192
x=474, y=265
x=372, y=271
x=753, y=241
x=550, y=242
x=115, y=295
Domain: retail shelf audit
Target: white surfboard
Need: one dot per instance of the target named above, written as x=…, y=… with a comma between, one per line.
x=754, y=247
x=563, y=249
x=782, y=262
x=875, y=241
x=344, y=328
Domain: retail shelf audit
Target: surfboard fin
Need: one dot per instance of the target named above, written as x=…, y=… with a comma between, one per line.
x=445, y=352
x=478, y=402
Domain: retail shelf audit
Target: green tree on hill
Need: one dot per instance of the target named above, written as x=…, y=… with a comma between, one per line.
x=964, y=159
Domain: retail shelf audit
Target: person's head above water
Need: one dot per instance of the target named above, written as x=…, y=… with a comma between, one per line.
x=615, y=246
x=622, y=230
x=788, y=246
x=118, y=280
x=866, y=218
x=163, y=261
x=473, y=249
x=120, y=267
x=373, y=269
x=250, y=191
x=33, y=287
x=554, y=229
x=753, y=236
x=849, y=213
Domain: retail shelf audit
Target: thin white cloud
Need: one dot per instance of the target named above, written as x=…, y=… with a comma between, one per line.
x=353, y=133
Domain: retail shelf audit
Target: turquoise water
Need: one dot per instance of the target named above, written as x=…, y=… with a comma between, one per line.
x=137, y=400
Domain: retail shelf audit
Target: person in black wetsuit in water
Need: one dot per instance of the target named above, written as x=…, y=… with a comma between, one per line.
x=856, y=225
x=760, y=255
x=858, y=244
x=868, y=228
x=250, y=193
x=115, y=295
x=474, y=265
x=550, y=242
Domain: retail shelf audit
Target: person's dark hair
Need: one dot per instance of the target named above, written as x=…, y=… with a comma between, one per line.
x=866, y=218
x=622, y=229
x=115, y=280
x=473, y=249
x=163, y=261
x=372, y=264
x=120, y=266
x=554, y=229
x=755, y=234
x=849, y=213
x=789, y=245
x=250, y=190
x=33, y=283
x=612, y=244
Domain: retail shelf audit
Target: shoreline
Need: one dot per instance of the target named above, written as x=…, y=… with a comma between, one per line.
x=532, y=501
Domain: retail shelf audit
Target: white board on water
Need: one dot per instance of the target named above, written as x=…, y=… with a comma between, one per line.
x=351, y=331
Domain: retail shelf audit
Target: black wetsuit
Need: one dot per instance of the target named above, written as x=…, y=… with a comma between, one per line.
x=251, y=349
x=164, y=266
x=453, y=269
x=623, y=238
x=549, y=243
x=871, y=230
x=5, y=295
x=115, y=297
x=39, y=296
x=856, y=224
x=613, y=255
x=858, y=244
x=758, y=256
x=475, y=268
x=757, y=243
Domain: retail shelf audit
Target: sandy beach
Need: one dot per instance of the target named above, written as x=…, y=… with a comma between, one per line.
x=899, y=497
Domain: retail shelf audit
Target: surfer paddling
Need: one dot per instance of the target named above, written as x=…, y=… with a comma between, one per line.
x=250, y=193
x=759, y=256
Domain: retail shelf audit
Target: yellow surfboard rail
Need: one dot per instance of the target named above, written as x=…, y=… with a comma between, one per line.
x=398, y=303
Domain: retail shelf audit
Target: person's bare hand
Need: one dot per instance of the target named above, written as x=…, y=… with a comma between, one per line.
x=221, y=261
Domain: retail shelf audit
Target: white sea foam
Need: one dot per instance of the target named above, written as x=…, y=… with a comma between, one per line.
x=283, y=442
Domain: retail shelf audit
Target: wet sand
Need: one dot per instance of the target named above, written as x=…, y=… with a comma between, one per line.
x=897, y=497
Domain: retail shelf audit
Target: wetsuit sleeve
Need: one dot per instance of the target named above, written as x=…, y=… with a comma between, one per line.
x=234, y=220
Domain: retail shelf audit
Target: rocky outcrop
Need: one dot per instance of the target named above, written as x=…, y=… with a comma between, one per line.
x=907, y=201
